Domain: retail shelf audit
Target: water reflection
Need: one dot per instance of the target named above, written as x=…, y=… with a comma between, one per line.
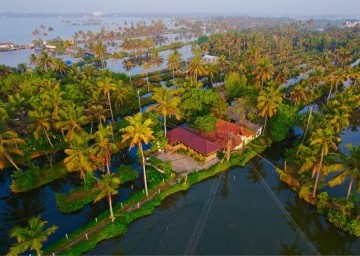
x=291, y=249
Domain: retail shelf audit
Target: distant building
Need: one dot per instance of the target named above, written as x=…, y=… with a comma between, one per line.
x=349, y=24
x=7, y=46
x=209, y=59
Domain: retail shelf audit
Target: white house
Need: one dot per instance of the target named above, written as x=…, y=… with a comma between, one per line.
x=7, y=46
x=209, y=59
x=349, y=24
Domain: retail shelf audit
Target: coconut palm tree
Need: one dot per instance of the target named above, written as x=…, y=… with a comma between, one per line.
x=99, y=50
x=107, y=186
x=173, y=62
x=42, y=121
x=146, y=66
x=9, y=142
x=167, y=104
x=106, y=86
x=128, y=65
x=97, y=112
x=120, y=94
x=338, y=118
x=299, y=94
x=138, y=132
x=156, y=59
x=59, y=66
x=79, y=158
x=268, y=101
x=349, y=167
x=211, y=70
x=71, y=118
x=45, y=61
x=103, y=147
x=264, y=70
x=196, y=67
x=30, y=237
x=326, y=139
x=53, y=99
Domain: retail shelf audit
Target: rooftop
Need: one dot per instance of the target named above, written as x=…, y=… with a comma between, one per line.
x=220, y=135
x=192, y=140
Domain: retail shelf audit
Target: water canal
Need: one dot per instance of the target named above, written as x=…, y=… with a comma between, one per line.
x=242, y=219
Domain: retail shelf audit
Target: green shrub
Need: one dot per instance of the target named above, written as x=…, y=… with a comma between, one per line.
x=322, y=203
x=34, y=177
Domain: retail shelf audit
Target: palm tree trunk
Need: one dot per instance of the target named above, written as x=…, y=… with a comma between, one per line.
x=147, y=82
x=12, y=162
x=112, y=132
x=108, y=163
x=307, y=127
x=47, y=136
x=173, y=73
x=349, y=190
x=110, y=207
x=109, y=102
x=318, y=174
x=138, y=94
x=165, y=124
x=130, y=77
x=92, y=126
x=328, y=98
x=264, y=125
x=143, y=166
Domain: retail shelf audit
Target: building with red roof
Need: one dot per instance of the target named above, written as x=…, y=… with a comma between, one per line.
x=225, y=130
x=208, y=144
x=183, y=138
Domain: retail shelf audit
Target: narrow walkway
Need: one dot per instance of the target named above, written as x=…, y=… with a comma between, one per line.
x=84, y=235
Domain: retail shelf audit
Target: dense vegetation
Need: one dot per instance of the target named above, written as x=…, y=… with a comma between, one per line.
x=91, y=113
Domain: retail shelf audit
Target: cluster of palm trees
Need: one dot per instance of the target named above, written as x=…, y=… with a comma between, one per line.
x=73, y=104
x=319, y=154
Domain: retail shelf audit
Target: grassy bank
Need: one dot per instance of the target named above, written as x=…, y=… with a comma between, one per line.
x=35, y=177
x=128, y=212
x=77, y=198
x=343, y=214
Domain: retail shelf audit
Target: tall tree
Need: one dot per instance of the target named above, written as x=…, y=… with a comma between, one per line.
x=196, y=67
x=106, y=86
x=31, y=237
x=167, y=104
x=348, y=167
x=146, y=66
x=264, y=70
x=79, y=157
x=138, y=132
x=103, y=147
x=173, y=62
x=9, y=142
x=326, y=139
x=128, y=65
x=268, y=101
x=107, y=186
x=42, y=121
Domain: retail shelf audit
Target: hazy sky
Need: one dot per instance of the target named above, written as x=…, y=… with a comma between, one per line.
x=288, y=7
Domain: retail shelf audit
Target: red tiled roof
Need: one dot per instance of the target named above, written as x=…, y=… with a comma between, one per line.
x=220, y=135
x=192, y=140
